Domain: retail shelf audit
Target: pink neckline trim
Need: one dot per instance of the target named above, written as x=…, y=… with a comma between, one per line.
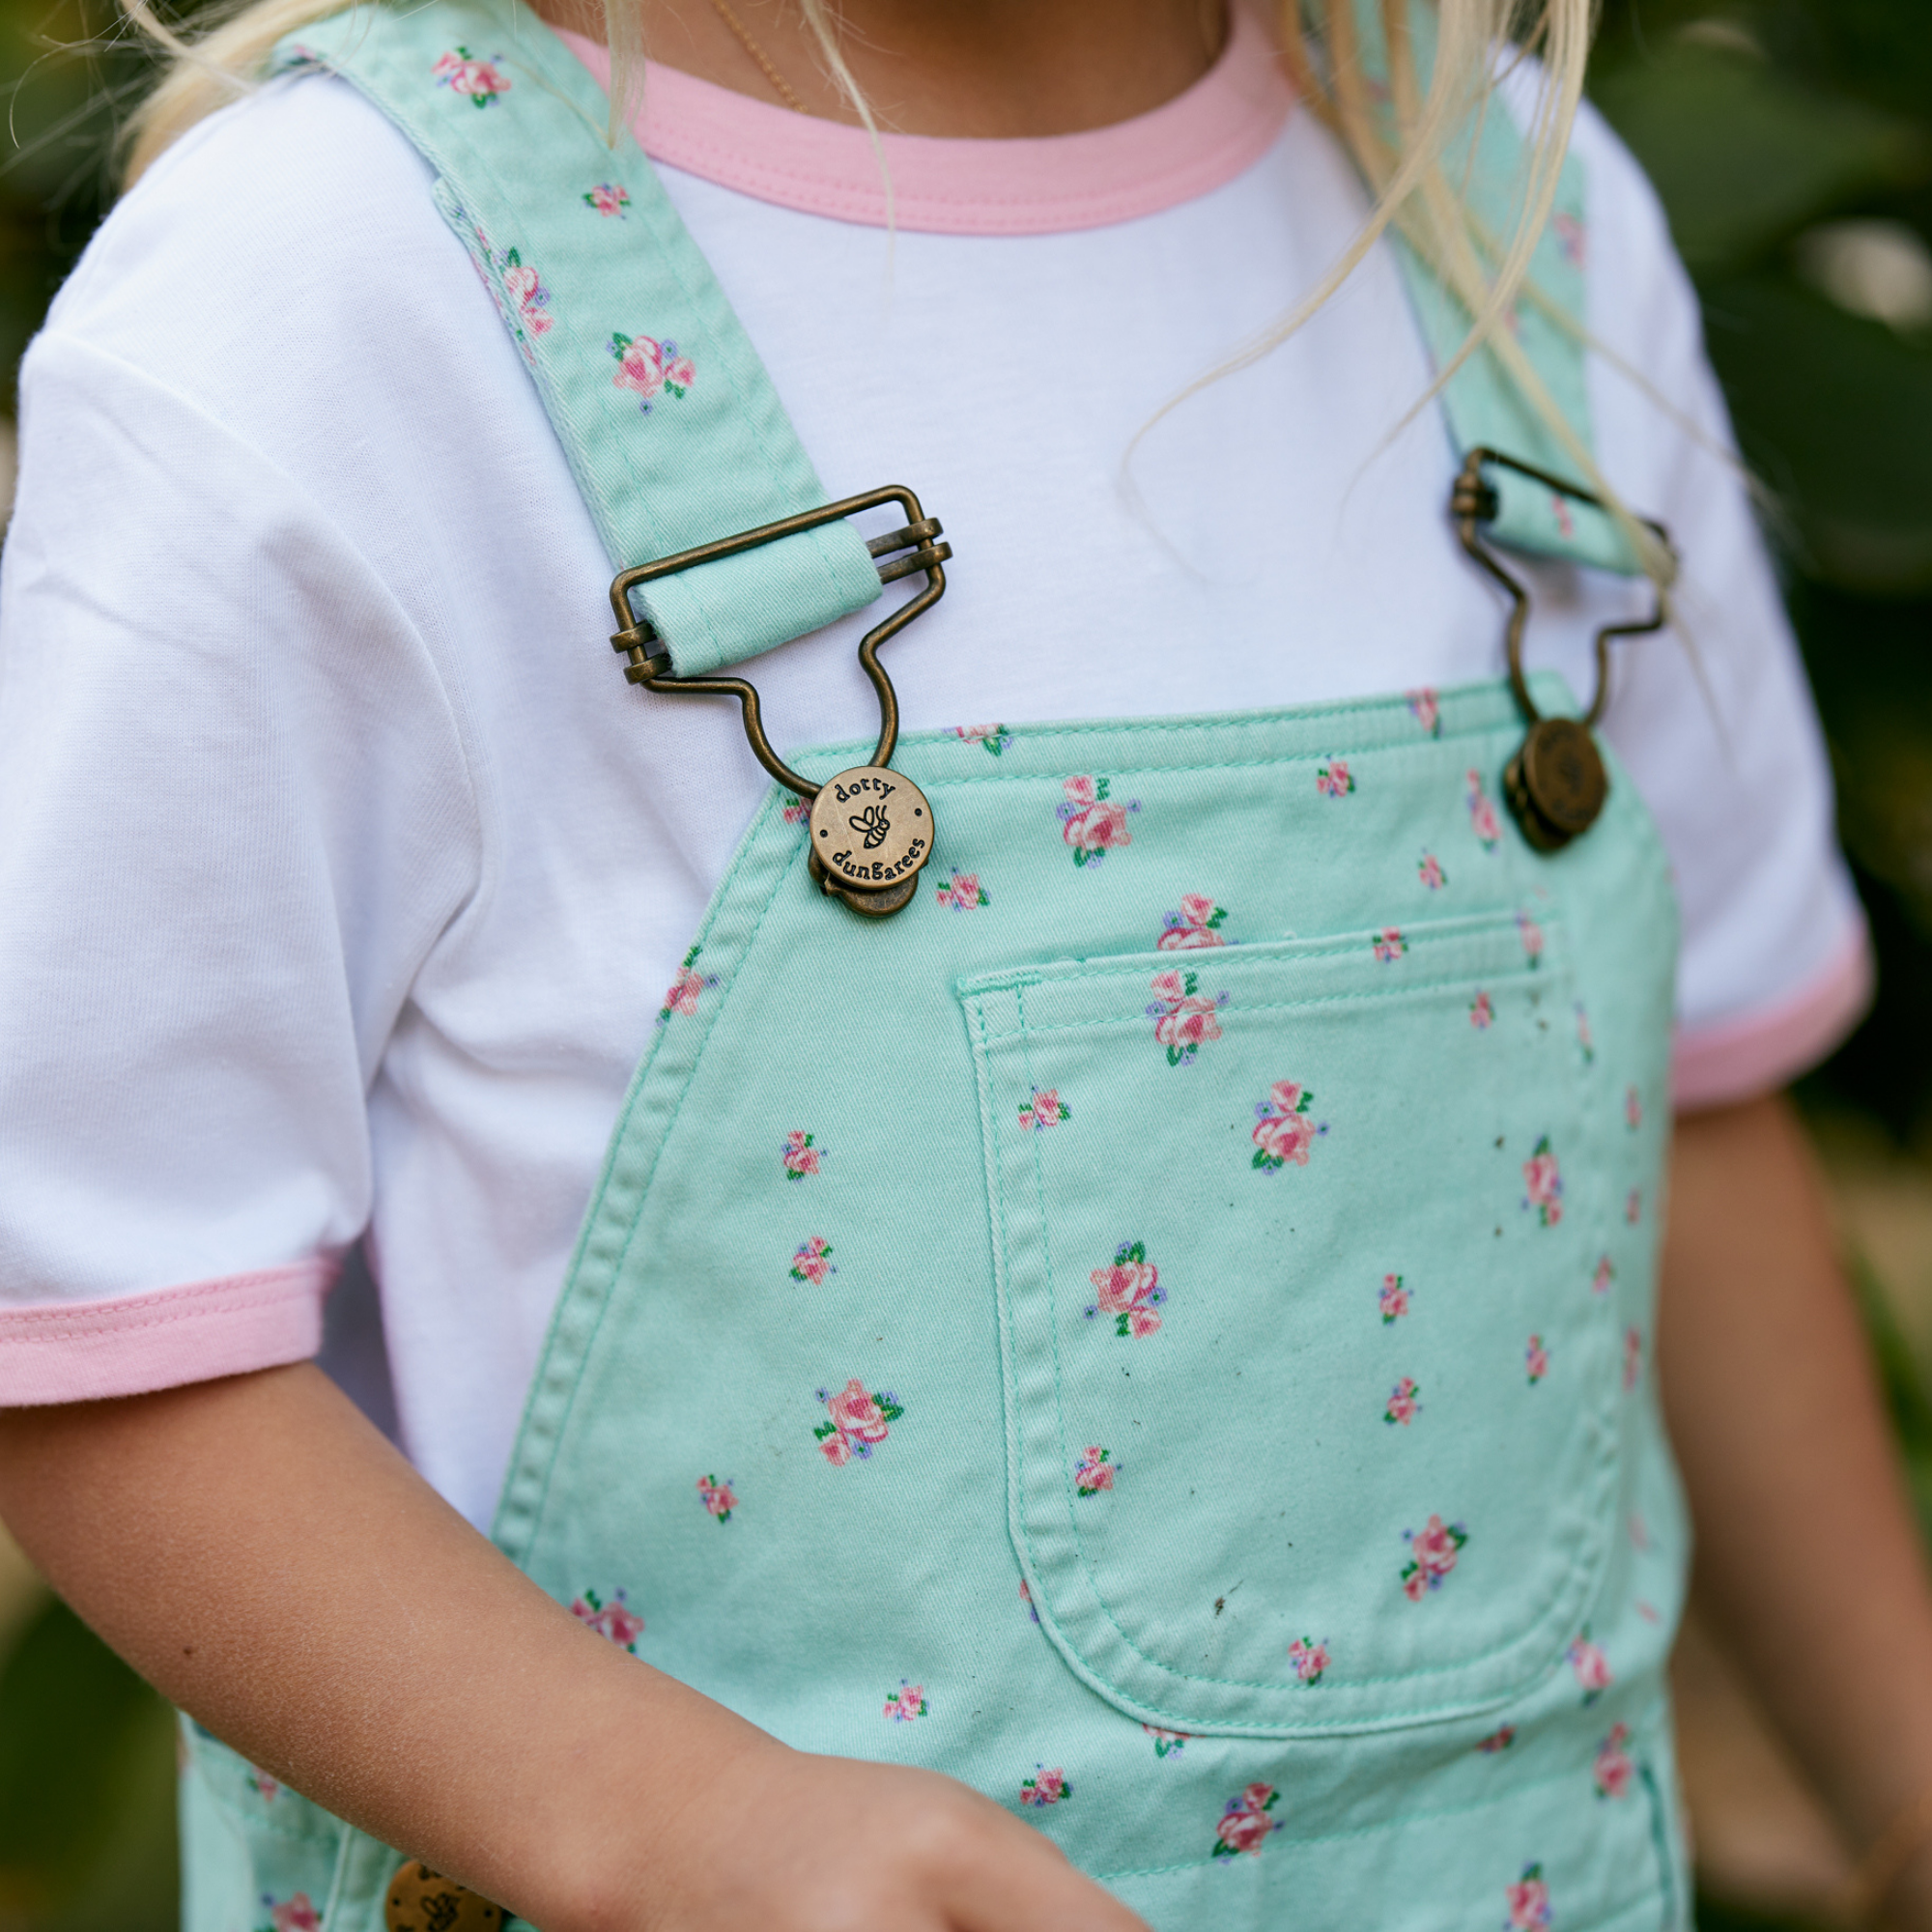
x=1191, y=144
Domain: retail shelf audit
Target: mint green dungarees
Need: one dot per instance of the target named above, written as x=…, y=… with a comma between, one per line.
x=1157, y=1327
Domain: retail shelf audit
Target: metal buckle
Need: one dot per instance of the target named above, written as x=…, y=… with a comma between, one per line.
x=1555, y=784
x=868, y=857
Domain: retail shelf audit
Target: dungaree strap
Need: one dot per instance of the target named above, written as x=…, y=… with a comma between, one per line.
x=672, y=428
x=1480, y=405
x=673, y=431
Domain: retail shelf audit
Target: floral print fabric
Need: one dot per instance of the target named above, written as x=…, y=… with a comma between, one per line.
x=1129, y=1289
x=859, y=1422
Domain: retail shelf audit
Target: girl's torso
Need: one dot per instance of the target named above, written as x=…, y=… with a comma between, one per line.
x=530, y=849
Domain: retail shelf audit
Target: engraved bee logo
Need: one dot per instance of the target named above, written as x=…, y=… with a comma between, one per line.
x=871, y=825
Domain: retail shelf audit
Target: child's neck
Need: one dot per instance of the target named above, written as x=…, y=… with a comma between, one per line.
x=979, y=68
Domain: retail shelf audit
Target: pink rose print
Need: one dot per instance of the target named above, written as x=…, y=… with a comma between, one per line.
x=1093, y=823
x=1639, y=1532
x=1531, y=935
x=1184, y=1019
x=294, y=1915
x=796, y=812
x=813, y=1261
x=1481, y=813
x=1431, y=873
x=1045, y=1787
x=719, y=1498
x=681, y=996
x=858, y=1421
x=1390, y=946
x=608, y=199
x=1394, y=1300
x=462, y=73
x=1309, y=1658
x=1497, y=1741
x=651, y=368
x=1094, y=1471
x=1559, y=508
x=1633, y=1358
x=1403, y=1406
x=1600, y=1282
x=908, y=1703
x=1482, y=1012
x=1026, y=1597
x=622, y=1626
x=1428, y=714
x=266, y=1786
x=1284, y=1129
x=1572, y=236
x=1614, y=1769
x=1584, y=1038
x=964, y=894
x=528, y=292
x=1333, y=779
x=1245, y=1824
x=1197, y=924
x=1632, y=1108
x=1432, y=1550
x=1591, y=1666
x=801, y=1156
x=1046, y=1109
x=1129, y=1289
x=1545, y=1183
x=995, y=737
x=1528, y=1901
x=1634, y=1205
x=1165, y=1742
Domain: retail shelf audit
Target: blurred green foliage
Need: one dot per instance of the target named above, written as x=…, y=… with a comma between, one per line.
x=87, y=1768
x=1767, y=125
x=1763, y=123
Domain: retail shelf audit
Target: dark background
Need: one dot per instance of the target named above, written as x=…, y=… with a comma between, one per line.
x=1791, y=141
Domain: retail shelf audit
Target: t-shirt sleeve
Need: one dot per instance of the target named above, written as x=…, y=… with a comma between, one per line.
x=234, y=817
x=1714, y=719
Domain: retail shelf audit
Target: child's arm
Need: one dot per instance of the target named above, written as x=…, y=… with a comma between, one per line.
x=1807, y=1550
x=256, y=1549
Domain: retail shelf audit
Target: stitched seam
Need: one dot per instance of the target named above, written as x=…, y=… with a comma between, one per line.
x=235, y=1292
x=1137, y=1020
x=1388, y=1826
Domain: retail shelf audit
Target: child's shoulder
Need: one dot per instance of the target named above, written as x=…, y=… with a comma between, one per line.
x=291, y=228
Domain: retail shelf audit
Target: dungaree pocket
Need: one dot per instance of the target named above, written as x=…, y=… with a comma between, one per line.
x=1310, y=1373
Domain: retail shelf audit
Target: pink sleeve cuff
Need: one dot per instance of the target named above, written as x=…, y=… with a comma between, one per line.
x=1737, y=1060
x=82, y=1351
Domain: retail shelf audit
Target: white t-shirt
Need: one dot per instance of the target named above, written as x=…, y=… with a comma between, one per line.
x=341, y=874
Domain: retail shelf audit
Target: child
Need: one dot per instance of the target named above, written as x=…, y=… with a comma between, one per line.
x=1108, y=1376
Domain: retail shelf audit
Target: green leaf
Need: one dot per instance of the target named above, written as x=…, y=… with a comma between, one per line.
x=87, y=1782
x=1742, y=155
x=1844, y=446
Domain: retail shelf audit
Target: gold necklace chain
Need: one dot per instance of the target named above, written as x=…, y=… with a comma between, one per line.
x=780, y=85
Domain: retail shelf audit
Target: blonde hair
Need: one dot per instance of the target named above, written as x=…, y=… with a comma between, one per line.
x=1402, y=136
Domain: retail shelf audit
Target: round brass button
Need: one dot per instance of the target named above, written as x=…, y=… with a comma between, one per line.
x=1556, y=783
x=871, y=830
x=421, y=1900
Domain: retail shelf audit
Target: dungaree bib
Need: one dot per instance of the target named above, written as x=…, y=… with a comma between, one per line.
x=1157, y=1328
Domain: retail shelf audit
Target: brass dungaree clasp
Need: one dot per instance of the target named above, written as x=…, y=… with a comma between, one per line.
x=1556, y=783
x=871, y=827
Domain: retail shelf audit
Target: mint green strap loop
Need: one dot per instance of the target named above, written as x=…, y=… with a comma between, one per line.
x=671, y=426
x=1482, y=407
